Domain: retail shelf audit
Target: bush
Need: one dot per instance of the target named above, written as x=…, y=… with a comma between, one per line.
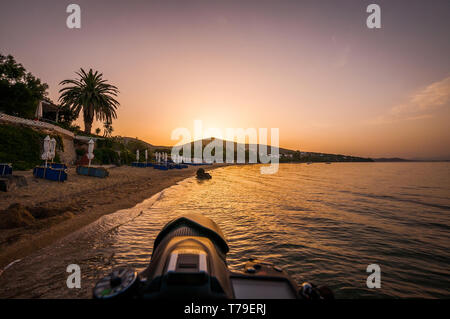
x=80, y=152
x=106, y=156
x=22, y=146
x=126, y=157
x=105, y=143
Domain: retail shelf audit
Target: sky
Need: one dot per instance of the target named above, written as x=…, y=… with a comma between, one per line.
x=310, y=68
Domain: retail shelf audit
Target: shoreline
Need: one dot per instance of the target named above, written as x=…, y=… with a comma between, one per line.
x=79, y=201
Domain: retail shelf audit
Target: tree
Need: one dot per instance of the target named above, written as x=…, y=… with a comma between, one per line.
x=107, y=129
x=66, y=116
x=20, y=91
x=92, y=95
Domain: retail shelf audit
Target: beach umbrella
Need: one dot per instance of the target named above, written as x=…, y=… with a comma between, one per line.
x=52, y=150
x=38, y=113
x=137, y=155
x=90, y=153
x=45, y=154
x=146, y=156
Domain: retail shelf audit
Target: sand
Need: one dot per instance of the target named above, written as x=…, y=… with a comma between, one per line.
x=80, y=201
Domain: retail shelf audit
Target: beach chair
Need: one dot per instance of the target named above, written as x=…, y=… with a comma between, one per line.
x=139, y=164
x=51, y=174
x=160, y=167
x=5, y=169
x=100, y=172
x=58, y=165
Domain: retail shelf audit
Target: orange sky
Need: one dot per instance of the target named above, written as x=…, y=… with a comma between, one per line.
x=310, y=68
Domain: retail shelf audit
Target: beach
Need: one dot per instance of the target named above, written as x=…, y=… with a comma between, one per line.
x=77, y=202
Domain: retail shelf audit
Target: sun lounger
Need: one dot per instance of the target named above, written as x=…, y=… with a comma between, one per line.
x=52, y=174
x=58, y=165
x=5, y=169
x=160, y=167
x=92, y=171
x=136, y=164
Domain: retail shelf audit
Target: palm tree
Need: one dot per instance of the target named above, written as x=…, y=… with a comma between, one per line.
x=91, y=94
x=107, y=129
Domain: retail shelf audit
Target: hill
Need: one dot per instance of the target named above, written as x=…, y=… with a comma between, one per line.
x=285, y=155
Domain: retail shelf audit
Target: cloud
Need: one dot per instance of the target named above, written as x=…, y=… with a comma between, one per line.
x=434, y=95
x=420, y=105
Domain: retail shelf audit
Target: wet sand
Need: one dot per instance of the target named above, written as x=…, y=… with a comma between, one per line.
x=81, y=200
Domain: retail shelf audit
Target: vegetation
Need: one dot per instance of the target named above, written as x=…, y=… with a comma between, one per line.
x=66, y=117
x=22, y=146
x=92, y=95
x=20, y=91
x=319, y=157
x=107, y=129
x=115, y=151
x=285, y=155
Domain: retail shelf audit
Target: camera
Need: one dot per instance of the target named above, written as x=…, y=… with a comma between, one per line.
x=189, y=261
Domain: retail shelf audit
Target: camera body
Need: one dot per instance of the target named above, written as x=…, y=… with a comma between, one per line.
x=189, y=261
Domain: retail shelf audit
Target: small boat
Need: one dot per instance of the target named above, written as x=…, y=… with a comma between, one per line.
x=328, y=163
x=309, y=163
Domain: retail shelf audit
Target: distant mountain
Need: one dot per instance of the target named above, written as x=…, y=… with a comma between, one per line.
x=285, y=155
x=127, y=140
x=392, y=159
x=396, y=159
